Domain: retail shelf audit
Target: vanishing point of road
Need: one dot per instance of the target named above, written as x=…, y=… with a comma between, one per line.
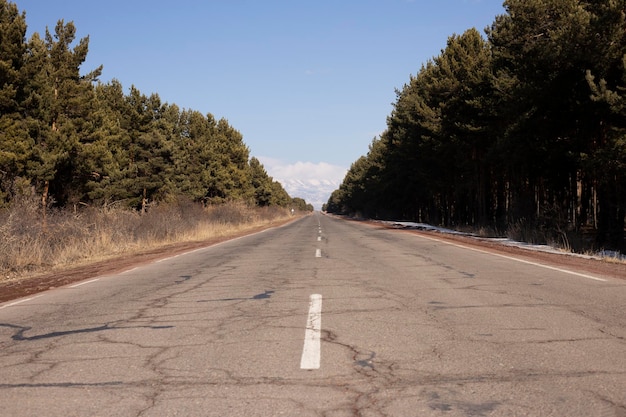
x=321, y=317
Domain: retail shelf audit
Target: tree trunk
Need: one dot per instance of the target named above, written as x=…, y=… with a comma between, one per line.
x=44, y=205
x=144, y=202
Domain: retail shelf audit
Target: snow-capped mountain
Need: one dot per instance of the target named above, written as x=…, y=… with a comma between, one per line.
x=314, y=182
x=315, y=192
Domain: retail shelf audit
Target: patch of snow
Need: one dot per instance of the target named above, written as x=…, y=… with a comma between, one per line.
x=505, y=241
x=422, y=226
x=610, y=254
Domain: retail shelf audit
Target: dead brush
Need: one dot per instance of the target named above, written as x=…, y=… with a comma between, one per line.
x=90, y=234
x=20, y=238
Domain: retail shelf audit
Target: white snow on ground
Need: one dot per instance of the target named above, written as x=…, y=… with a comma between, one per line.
x=423, y=226
x=505, y=241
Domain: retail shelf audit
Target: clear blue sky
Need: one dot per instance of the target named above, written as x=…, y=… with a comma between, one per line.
x=303, y=81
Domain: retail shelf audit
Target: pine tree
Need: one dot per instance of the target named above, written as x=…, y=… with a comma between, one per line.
x=195, y=154
x=261, y=183
x=462, y=89
x=12, y=53
x=103, y=156
x=229, y=169
x=280, y=197
x=58, y=103
x=606, y=156
x=15, y=144
x=148, y=164
x=545, y=47
x=415, y=165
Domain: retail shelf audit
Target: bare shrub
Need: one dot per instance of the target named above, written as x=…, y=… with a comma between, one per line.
x=27, y=244
x=271, y=213
x=230, y=213
x=550, y=227
x=526, y=231
x=20, y=236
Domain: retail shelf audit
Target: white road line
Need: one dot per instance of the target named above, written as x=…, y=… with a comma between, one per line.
x=167, y=259
x=14, y=303
x=511, y=258
x=318, y=253
x=311, y=352
x=319, y=238
x=84, y=283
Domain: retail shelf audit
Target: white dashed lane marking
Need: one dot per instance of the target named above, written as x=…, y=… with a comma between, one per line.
x=14, y=303
x=84, y=283
x=311, y=353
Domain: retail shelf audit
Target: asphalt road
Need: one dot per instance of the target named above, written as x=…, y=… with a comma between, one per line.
x=322, y=317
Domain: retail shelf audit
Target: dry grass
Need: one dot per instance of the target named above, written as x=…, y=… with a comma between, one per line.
x=27, y=246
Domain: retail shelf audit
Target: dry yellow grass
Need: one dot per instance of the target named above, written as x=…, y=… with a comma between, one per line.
x=27, y=246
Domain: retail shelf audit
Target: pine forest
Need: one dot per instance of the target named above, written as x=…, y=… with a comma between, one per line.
x=72, y=141
x=520, y=132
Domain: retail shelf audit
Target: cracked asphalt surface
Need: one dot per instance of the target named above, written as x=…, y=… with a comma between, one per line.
x=410, y=327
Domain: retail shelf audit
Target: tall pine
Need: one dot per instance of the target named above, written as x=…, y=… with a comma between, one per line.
x=15, y=144
x=58, y=105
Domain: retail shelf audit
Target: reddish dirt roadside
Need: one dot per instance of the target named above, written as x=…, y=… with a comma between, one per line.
x=566, y=261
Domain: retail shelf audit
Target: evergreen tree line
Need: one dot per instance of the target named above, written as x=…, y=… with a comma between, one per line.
x=524, y=128
x=72, y=140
